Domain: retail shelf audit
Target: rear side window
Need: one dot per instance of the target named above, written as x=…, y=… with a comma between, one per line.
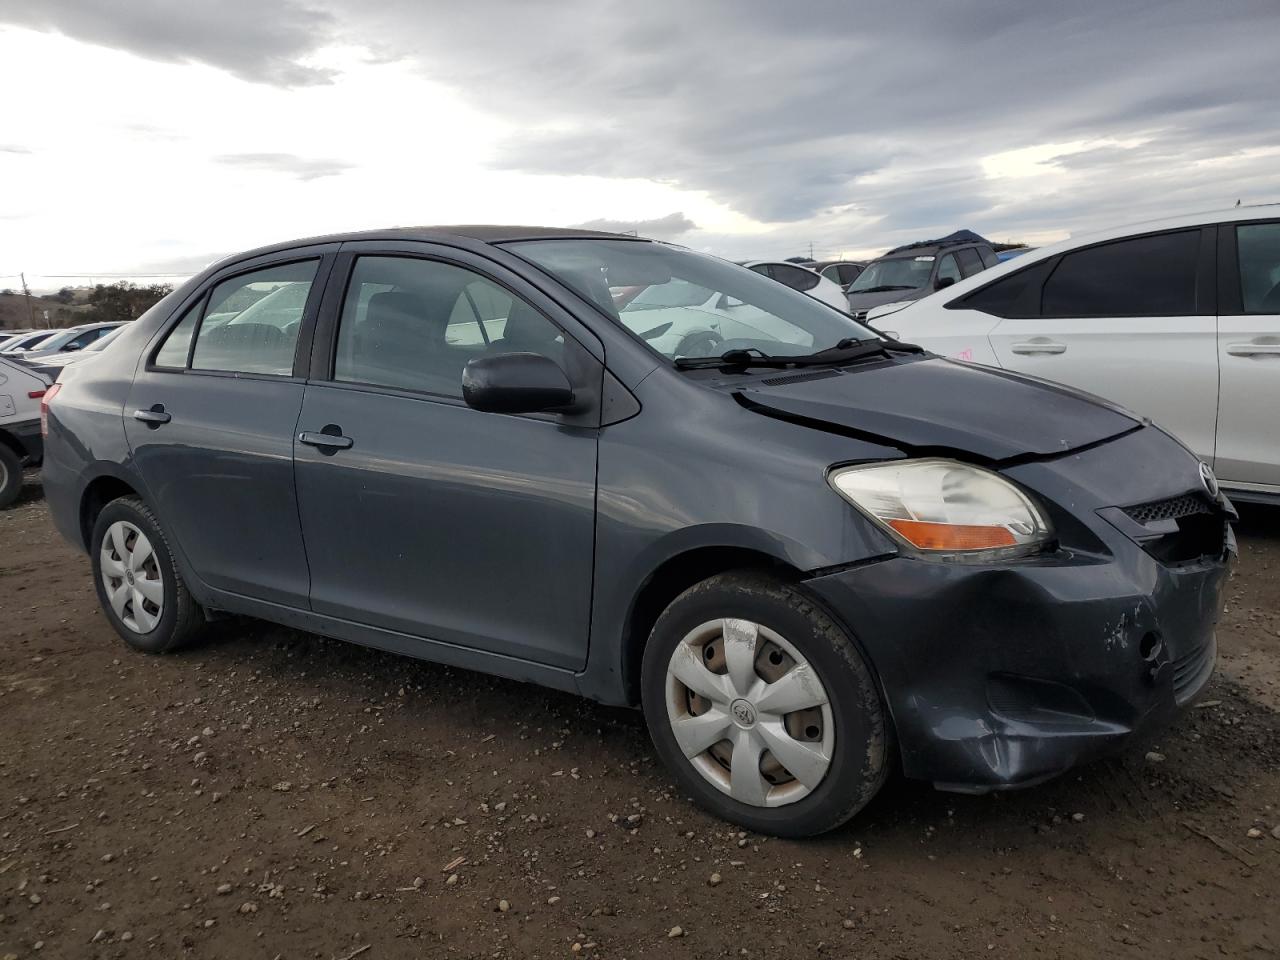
x=1259, y=250
x=989, y=258
x=970, y=262
x=1144, y=277
x=252, y=321
x=794, y=277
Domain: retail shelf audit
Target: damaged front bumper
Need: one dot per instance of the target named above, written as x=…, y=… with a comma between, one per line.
x=1003, y=675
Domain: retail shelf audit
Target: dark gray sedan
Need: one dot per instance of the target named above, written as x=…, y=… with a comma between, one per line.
x=651, y=477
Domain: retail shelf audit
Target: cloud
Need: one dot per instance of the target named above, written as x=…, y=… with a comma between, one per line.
x=302, y=168
x=858, y=126
x=260, y=42
x=12, y=148
x=661, y=228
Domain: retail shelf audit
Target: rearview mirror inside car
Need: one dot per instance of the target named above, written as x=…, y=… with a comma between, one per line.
x=515, y=383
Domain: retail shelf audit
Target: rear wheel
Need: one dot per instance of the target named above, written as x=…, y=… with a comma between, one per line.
x=762, y=706
x=139, y=586
x=10, y=476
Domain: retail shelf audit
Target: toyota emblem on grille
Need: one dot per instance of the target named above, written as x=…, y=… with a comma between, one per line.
x=1209, y=480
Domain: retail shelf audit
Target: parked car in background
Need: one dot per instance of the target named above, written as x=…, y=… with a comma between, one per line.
x=21, y=444
x=803, y=279
x=916, y=270
x=1003, y=255
x=1178, y=319
x=26, y=340
x=53, y=364
x=7, y=335
x=68, y=340
x=810, y=554
x=843, y=272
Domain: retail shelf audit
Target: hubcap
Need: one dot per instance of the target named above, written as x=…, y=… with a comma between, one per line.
x=131, y=576
x=749, y=712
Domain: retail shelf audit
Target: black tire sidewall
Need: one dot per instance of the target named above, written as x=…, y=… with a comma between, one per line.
x=861, y=755
x=11, y=486
x=165, y=635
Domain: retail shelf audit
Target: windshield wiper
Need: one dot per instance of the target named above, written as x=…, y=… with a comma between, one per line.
x=846, y=351
x=884, y=288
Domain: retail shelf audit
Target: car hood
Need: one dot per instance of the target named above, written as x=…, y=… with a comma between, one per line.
x=864, y=301
x=940, y=405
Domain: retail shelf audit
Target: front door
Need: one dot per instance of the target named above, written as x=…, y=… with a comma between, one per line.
x=210, y=421
x=422, y=515
x=1132, y=321
x=1249, y=355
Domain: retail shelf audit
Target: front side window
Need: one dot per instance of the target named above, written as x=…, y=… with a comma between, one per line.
x=251, y=322
x=1143, y=277
x=896, y=273
x=176, y=347
x=948, y=269
x=686, y=304
x=848, y=272
x=414, y=324
x=1259, y=252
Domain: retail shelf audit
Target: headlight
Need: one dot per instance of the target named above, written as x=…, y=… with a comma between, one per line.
x=945, y=507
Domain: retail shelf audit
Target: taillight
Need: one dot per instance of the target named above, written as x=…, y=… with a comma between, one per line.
x=45, y=398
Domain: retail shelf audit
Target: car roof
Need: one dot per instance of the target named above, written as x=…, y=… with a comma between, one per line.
x=483, y=233
x=1264, y=211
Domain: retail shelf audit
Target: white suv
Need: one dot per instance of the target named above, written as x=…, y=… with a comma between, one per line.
x=1177, y=319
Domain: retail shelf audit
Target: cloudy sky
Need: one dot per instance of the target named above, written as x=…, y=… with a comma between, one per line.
x=150, y=136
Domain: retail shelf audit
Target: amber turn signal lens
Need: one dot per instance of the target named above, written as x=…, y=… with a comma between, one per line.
x=952, y=536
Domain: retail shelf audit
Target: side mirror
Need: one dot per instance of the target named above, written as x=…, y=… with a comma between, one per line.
x=943, y=282
x=515, y=383
x=71, y=348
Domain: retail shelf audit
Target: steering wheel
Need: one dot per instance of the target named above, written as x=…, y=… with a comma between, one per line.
x=699, y=343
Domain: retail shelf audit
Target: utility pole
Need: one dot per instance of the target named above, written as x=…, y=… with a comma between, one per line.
x=26, y=292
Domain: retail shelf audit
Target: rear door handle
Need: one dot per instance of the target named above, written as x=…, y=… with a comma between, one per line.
x=153, y=417
x=1031, y=347
x=1253, y=349
x=325, y=441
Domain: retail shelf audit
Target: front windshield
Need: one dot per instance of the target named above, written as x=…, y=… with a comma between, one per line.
x=685, y=304
x=899, y=273
x=24, y=343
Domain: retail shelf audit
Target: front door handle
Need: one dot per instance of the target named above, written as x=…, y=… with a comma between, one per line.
x=1253, y=349
x=153, y=417
x=1031, y=347
x=326, y=442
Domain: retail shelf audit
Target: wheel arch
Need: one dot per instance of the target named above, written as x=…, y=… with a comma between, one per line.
x=97, y=494
x=671, y=578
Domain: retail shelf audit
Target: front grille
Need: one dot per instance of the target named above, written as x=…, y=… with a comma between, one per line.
x=1173, y=508
x=1191, y=670
x=800, y=377
x=1182, y=528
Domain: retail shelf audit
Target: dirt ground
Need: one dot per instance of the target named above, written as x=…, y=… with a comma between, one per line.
x=274, y=794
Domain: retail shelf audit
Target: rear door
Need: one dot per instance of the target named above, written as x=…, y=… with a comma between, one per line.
x=1133, y=321
x=210, y=421
x=1249, y=355
x=422, y=515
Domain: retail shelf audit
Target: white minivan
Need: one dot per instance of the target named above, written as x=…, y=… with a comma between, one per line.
x=1177, y=319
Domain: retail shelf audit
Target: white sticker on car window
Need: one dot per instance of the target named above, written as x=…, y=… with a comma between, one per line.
x=924, y=259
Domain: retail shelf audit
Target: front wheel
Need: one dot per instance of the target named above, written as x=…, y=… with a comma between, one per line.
x=763, y=708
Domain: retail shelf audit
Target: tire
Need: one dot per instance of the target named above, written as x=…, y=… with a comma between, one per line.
x=10, y=476
x=773, y=631
x=157, y=627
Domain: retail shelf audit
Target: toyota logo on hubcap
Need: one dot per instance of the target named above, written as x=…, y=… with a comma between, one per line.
x=744, y=714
